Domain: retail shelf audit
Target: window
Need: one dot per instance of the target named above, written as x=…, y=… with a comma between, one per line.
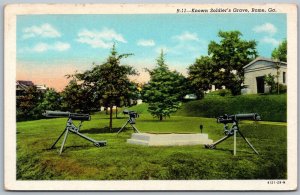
x=283, y=77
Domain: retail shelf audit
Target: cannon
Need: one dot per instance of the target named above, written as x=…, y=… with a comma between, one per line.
x=131, y=120
x=234, y=119
x=73, y=116
x=71, y=127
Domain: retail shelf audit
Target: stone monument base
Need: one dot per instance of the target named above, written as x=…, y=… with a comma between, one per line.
x=171, y=139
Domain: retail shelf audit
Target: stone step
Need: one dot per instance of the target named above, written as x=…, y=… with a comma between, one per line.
x=140, y=136
x=169, y=139
x=139, y=142
x=175, y=143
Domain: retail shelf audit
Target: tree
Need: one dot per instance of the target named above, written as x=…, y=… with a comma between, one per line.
x=200, y=75
x=109, y=82
x=229, y=56
x=280, y=53
x=78, y=97
x=51, y=100
x=27, y=104
x=164, y=90
x=270, y=81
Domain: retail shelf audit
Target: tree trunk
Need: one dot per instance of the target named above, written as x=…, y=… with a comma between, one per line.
x=160, y=117
x=116, y=111
x=110, y=117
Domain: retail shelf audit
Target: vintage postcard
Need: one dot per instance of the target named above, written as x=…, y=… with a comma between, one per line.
x=150, y=97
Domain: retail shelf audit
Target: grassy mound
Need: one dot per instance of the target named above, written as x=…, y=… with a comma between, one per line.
x=140, y=109
x=270, y=107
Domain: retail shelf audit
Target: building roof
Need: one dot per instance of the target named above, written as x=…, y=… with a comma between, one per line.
x=23, y=85
x=263, y=59
x=27, y=83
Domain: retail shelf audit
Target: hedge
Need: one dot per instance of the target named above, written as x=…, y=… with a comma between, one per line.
x=270, y=107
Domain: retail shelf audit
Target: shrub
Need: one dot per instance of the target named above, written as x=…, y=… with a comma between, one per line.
x=282, y=88
x=225, y=92
x=221, y=92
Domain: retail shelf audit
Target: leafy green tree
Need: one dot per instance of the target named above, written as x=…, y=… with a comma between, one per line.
x=124, y=99
x=229, y=56
x=77, y=97
x=51, y=100
x=27, y=104
x=280, y=52
x=164, y=90
x=109, y=82
x=270, y=81
x=200, y=75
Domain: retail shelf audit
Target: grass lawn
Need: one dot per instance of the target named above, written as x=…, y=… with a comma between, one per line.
x=81, y=160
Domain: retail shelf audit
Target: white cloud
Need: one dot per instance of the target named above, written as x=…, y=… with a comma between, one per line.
x=146, y=43
x=40, y=47
x=60, y=46
x=99, y=39
x=43, y=47
x=271, y=40
x=270, y=30
x=45, y=30
x=265, y=28
x=187, y=36
x=185, y=42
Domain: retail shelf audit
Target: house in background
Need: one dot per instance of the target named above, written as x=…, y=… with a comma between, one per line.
x=255, y=71
x=22, y=86
x=41, y=88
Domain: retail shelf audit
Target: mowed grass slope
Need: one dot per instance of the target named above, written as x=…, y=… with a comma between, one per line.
x=270, y=107
x=81, y=160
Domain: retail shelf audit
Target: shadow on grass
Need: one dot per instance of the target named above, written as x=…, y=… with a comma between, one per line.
x=158, y=121
x=114, y=118
x=72, y=146
x=104, y=130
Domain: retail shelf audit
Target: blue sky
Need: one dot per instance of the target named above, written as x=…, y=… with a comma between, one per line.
x=48, y=42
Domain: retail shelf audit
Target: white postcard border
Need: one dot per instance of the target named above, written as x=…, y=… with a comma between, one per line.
x=11, y=11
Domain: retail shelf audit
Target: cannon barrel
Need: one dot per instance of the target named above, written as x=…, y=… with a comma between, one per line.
x=49, y=114
x=126, y=111
x=250, y=116
x=131, y=113
x=73, y=116
x=233, y=118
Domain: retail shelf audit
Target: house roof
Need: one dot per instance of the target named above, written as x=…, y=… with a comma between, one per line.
x=22, y=85
x=263, y=59
x=27, y=83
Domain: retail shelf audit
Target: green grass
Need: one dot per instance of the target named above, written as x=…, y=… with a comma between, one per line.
x=270, y=107
x=119, y=160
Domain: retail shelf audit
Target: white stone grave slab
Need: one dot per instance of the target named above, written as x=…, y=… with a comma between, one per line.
x=171, y=139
